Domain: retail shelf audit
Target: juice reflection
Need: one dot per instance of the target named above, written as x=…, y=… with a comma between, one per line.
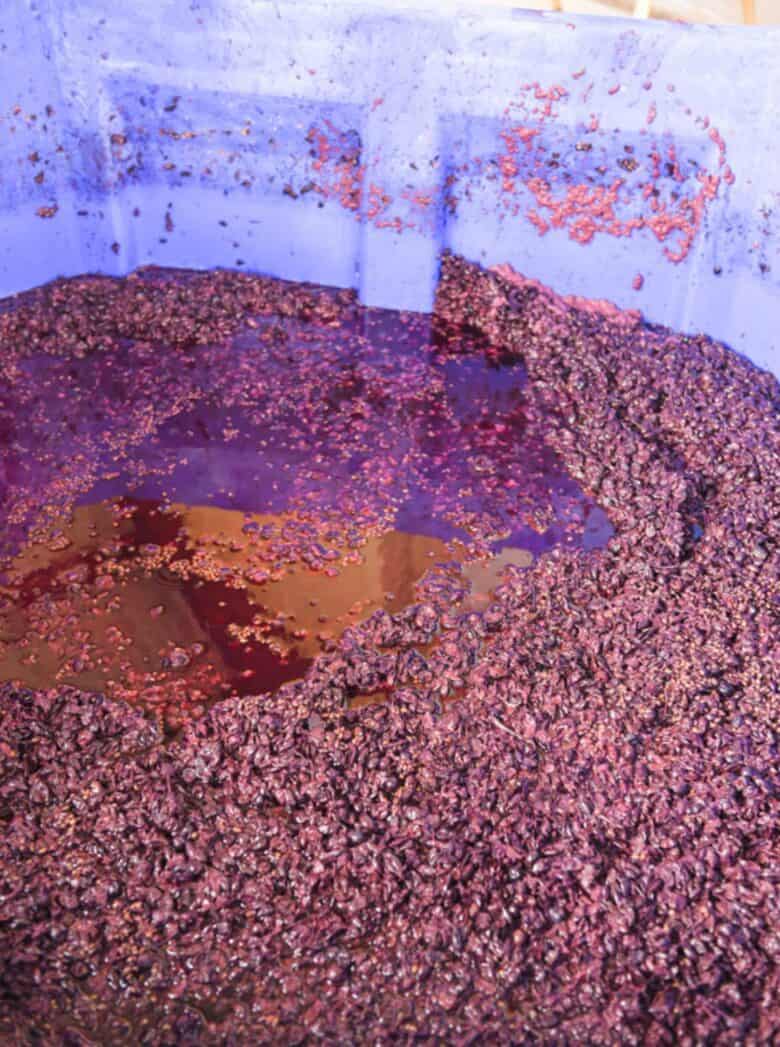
x=174, y=608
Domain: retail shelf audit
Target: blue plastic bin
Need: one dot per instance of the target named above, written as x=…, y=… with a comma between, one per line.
x=350, y=143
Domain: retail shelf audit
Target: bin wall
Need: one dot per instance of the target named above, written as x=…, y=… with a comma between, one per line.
x=350, y=144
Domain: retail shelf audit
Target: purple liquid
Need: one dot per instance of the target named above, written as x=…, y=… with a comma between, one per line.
x=293, y=478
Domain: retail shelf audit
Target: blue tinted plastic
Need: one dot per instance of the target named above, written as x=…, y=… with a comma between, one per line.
x=350, y=144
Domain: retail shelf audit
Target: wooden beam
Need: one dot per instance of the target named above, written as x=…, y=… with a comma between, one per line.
x=749, y=12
